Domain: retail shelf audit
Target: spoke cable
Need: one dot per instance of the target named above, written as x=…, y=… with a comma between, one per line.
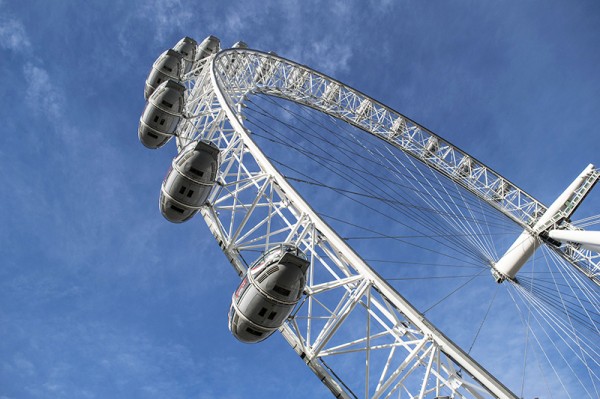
x=391, y=185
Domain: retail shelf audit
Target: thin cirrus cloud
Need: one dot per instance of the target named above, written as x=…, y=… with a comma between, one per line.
x=42, y=95
x=13, y=35
x=118, y=360
x=87, y=250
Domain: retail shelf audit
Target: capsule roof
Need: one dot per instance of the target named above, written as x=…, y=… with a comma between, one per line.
x=207, y=146
x=239, y=44
x=169, y=65
x=210, y=39
x=187, y=48
x=172, y=84
x=209, y=46
x=169, y=97
x=171, y=59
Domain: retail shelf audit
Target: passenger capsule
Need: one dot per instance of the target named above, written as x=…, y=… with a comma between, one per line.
x=168, y=66
x=209, y=46
x=162, y=114
x=268, y=293
x=189, y=181
x=187, y=48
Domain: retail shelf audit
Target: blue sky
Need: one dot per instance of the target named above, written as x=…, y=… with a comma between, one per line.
x=101, y=297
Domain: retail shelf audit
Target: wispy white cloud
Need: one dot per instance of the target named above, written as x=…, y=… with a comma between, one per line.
x=13, y=35
x=234, y=22
x=334, y=56
x=124, y=357
x=42, y=95
x=23, y=365
x=161, y=17
x=166, y=15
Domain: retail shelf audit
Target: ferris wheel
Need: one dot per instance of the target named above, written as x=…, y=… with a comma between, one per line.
x=245, y=121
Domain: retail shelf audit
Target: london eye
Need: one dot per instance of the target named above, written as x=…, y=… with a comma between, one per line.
x=389, y=225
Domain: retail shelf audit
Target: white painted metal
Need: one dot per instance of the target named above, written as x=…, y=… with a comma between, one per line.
x=562, y=208
x=270, y=75
x=516, y=256
x=253, y=208
x=587, y=239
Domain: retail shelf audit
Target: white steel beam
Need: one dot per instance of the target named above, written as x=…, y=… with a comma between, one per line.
x=587, y=239
x=562, y=208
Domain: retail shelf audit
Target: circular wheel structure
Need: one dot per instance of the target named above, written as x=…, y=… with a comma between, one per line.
x=352, y=328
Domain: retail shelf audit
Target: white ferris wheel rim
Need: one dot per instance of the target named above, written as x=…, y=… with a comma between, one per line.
x=233, y=114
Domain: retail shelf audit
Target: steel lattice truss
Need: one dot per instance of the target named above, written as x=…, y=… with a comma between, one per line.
x=348, y=310
x=242, y=72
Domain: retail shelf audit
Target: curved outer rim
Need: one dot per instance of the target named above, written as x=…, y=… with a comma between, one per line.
x=587, y=264
x=360, y=94
x=446, y=345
